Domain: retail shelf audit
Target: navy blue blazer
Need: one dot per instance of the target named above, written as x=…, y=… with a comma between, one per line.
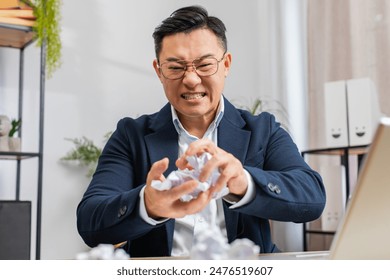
x=287, y=189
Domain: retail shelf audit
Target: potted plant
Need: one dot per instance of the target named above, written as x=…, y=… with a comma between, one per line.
x=47, y=30
x=85, y=153
x=258, y=105
x=8, y=128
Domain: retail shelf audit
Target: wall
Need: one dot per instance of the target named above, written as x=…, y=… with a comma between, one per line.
x=107, y=74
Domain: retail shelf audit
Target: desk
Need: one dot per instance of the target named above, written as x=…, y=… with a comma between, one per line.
x=308, y=255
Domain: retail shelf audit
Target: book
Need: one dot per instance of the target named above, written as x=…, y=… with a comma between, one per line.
x=12, y=4
x=17, y=21
x=17, y=13
x=23, y=17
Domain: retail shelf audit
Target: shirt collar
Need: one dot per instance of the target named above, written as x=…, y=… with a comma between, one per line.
x=179, y=127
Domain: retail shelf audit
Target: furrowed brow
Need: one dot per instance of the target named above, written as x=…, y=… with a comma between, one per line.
x=175, y=59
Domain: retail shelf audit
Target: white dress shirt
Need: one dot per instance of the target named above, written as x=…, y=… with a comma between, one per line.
x=190, y=225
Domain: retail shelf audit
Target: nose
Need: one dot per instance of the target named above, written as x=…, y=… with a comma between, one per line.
x=191, y=78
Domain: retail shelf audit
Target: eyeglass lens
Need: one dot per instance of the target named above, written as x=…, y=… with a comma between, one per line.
x=176, y=69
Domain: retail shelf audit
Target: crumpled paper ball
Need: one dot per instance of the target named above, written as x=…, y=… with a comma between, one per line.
x=104, y=252
x=243, y=249
x=178, y=177
x=212, y=245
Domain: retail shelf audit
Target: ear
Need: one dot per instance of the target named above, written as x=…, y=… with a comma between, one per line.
x=157, y=69
x=227, y=63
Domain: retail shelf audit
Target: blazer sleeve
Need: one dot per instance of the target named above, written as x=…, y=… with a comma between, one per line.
x=287, y=189
x=109, y=209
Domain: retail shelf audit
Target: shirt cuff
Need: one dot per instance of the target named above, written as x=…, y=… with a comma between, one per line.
x=249, y=195
x=142, y=210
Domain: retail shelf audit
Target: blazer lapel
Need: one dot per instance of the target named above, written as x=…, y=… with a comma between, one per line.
x=231, y=135
x=163, y=142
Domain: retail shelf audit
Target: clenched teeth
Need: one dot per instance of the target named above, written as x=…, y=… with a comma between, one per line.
x=192, y=96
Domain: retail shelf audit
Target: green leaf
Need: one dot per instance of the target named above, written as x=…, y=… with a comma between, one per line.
x=47, y=29
x=15, y=126
x=85, y=152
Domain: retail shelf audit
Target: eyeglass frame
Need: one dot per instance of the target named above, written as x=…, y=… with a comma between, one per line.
x=186, y=65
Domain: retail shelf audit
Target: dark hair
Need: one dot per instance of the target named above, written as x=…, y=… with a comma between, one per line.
x=188, y=19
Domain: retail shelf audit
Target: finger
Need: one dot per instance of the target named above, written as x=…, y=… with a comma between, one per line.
x=157, y=169
x=186, y=188
x=182, y=163
x=193, y=206
x=222, y=181
x=199, y=147
x=212, y=165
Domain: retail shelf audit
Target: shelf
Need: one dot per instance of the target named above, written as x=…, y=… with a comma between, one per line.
x=320, y=232
x=15, y=36
x=17, y=155
x=344, y=153
x=339, y=151
x=19, y=37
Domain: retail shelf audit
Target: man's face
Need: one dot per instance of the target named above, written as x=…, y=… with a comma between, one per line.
x=193, y=96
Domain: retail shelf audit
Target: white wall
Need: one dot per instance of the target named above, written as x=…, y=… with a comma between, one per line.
x=107, y=74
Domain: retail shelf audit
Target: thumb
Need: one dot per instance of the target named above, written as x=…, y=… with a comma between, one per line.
x=157, y=170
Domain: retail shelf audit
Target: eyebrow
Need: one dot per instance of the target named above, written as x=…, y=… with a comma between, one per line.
x=175, y=59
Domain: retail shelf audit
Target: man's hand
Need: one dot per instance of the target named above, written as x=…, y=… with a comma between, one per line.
x=230, y=168
x=167, y=204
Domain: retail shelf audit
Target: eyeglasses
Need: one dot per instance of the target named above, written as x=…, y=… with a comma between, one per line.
x=204, y=67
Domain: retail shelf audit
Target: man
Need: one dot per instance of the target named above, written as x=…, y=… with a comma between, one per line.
x=257, y=160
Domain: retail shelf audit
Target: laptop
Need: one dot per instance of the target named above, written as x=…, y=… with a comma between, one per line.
x=364, y=231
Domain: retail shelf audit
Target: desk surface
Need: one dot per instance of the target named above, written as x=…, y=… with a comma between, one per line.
x=309, y=255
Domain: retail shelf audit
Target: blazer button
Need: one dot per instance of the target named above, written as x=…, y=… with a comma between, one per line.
x=274, y=188
x=122, y=211
x=271, y=187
